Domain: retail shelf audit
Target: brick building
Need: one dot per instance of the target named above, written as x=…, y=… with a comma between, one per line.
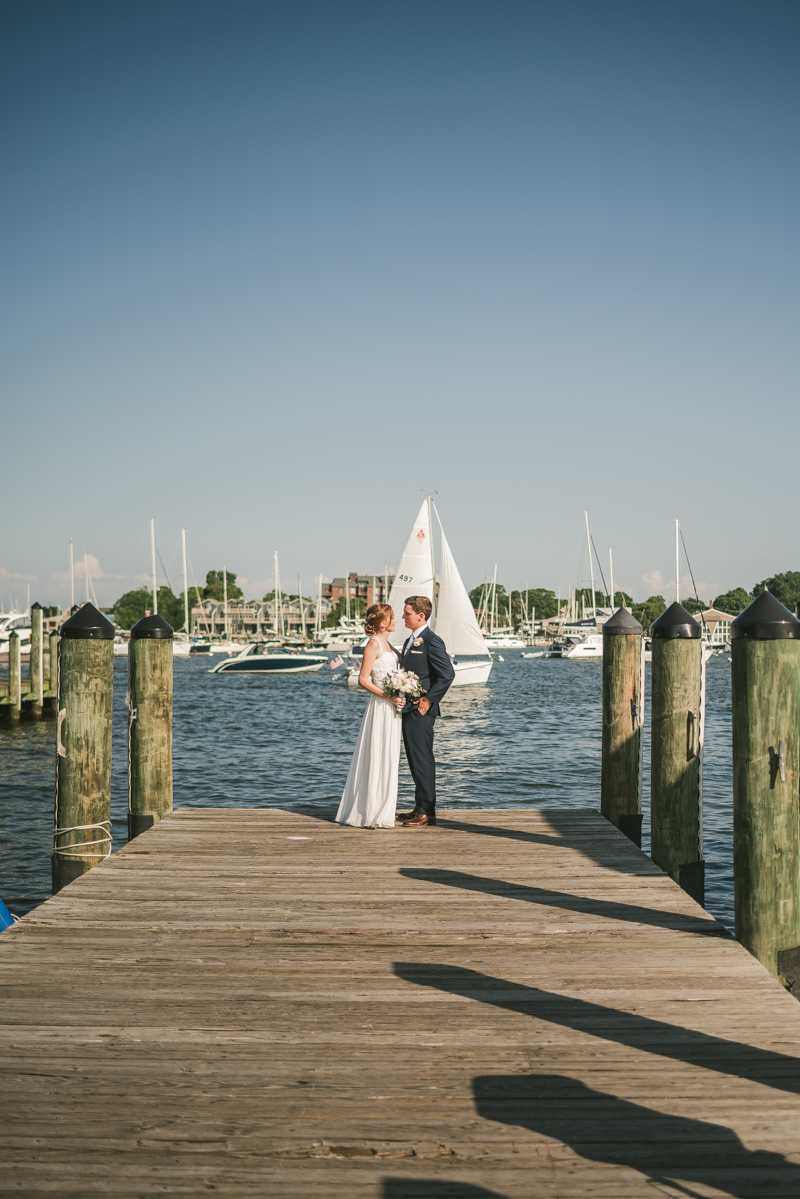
x=369, y=588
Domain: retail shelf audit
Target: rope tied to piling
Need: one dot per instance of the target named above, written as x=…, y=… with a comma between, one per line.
x=63, y=851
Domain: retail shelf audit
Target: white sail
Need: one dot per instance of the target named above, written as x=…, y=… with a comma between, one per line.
x=414, y=575
x=456, y=622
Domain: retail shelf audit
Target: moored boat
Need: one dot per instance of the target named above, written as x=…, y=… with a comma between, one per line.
x=587, y=647
x=18, y=623
x=503, y=639
x=252, y=660
x=453, y=616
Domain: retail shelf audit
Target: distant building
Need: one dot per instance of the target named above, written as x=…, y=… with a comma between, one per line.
x=371, y=589
x=252, y=619
x=716, y=626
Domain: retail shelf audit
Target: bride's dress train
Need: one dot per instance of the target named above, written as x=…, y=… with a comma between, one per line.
x=369, y=799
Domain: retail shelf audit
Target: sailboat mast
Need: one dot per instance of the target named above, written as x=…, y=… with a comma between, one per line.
x=611, y=571
x=494, y=598
x=225, y=598
x=279, y=629
x=301, y=608
x=591, y=564
x=483, y=601
x=275, y=595
x=185, y=586
x=71, y=576
x=677, y=563
x=318, y=615
x=153, y=563
x=347, y=593
x=433, y=564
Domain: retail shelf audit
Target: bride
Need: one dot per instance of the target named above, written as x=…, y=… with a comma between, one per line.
x=370, y=794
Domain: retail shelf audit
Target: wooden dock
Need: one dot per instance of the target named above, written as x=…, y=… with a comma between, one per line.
x=516, y=1004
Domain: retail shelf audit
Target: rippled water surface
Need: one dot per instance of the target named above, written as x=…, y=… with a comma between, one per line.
x=530, y=737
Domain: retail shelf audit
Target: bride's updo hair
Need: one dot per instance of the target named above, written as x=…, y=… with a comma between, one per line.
x=374, y=617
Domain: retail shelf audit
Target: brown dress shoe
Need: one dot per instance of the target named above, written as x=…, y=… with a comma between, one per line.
x=404, y=816
x=420, y=821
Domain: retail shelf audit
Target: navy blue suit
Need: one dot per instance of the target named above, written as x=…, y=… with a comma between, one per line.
x=431, y=662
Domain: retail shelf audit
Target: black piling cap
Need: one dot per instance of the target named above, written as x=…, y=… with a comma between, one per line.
x=151, y=627
x=765, y=619
x=88, y=622
x=36, y=605
x=675, y=622
x=622, y=624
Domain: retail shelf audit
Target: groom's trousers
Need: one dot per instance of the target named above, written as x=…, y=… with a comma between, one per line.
x=418, y=740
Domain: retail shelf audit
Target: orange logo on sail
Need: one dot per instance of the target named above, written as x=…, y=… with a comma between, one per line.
x=421, y=536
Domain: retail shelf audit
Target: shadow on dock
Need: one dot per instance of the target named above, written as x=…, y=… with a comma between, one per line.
x=667, y=1150
x=602, y=908
x=775, y=1070
x=429, y=1188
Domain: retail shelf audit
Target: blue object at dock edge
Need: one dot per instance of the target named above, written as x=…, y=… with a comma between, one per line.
x=6, y=919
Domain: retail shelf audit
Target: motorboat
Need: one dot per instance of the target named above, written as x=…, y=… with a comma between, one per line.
x=253, y=660
x=227, y=647
x=587, y=647
x=183, y=647
x=503, y=639
x=341, y=638
x=19, y=623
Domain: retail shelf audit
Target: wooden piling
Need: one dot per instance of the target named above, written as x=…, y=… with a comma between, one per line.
x=149, y=724
x=14, y=676
x=765, y=647
x=45, y=662
x=50, y=697
x=82, y=835
x=35, y=694
x=676, y=811
x=623, y=707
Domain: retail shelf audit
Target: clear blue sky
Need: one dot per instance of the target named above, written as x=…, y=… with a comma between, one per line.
x=271, y=270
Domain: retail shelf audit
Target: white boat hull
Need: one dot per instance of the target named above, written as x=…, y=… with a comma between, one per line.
x=467, y=673
x=270, y=664
x=592, y=647
x=583, y=653
x=470, y=673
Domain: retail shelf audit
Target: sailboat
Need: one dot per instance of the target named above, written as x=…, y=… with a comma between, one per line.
x=495, y=635
x=453, y=616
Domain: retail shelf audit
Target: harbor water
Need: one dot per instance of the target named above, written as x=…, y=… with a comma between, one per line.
x=531, y=737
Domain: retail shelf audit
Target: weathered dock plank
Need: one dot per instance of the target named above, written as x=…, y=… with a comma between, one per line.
x=517, y=1003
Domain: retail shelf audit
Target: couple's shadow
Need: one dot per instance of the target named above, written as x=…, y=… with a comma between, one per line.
x=674, y=1152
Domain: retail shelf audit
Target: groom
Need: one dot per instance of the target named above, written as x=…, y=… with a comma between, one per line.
x=425, y=654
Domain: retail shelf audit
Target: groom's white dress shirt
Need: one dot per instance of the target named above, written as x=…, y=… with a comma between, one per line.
x=416, y=633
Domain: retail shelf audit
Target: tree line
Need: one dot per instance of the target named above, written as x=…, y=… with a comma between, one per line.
x=785, y=587
x=133, y=605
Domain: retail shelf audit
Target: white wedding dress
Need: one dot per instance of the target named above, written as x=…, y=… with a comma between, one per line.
x=369, y=799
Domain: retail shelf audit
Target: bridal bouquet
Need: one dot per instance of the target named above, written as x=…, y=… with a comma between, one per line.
x=403, y=682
